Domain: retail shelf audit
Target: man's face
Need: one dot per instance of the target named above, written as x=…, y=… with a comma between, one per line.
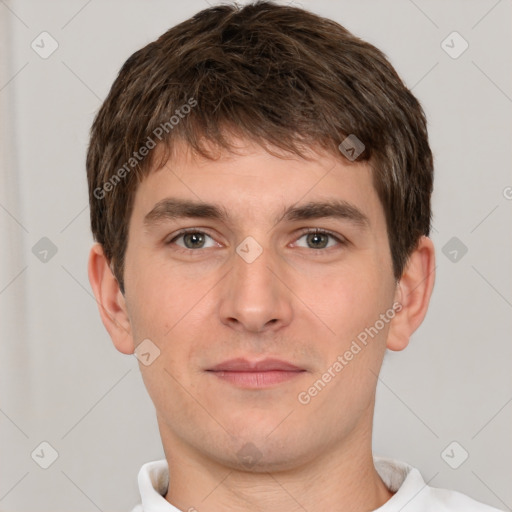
x=216, y=303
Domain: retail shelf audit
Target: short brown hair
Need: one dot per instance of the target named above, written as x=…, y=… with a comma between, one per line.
x=277, y=75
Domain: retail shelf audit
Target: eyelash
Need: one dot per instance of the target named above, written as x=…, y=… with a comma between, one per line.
x=340, y=239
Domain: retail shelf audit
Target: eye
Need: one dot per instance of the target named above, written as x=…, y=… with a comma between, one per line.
x=319, y=239
x=192, y=239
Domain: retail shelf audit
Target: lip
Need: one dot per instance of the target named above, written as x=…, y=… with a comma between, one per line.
x=255, y=374
x=244, y=365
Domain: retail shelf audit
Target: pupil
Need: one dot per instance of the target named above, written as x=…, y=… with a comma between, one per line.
x=195, y=239
x=314, y=239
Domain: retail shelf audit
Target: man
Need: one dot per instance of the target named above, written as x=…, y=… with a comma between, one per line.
x=260, y=185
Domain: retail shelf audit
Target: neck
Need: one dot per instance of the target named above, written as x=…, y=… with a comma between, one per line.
x=342, y=477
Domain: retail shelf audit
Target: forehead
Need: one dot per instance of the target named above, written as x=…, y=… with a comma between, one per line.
x=252, y=183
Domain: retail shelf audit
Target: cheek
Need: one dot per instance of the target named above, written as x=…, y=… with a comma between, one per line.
x=351, y=305
x=158, y=295
x=166, y=307
x=347, y=299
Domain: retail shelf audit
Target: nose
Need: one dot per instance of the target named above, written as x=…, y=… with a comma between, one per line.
x=255, y=295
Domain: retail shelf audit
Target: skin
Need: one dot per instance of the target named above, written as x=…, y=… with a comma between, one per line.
x=295, y=302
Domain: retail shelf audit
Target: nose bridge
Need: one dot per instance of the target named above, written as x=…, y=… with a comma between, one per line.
x=253, y=298
x=251, y=266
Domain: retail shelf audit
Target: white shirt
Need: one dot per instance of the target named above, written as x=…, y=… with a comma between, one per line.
x=412, y=494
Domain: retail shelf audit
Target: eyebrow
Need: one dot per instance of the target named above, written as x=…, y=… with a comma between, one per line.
x=172, y=209
x=338, y=209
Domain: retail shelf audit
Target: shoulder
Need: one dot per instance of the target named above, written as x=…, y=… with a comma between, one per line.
x=412, y=493
x=445, y=500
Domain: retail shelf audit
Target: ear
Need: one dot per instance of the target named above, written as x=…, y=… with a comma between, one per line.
x=111, y=303
x=413, y=293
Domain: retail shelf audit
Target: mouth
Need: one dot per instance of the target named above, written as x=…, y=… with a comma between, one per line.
x=255, y=374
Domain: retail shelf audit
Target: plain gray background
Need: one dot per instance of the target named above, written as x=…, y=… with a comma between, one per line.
x=61, y=380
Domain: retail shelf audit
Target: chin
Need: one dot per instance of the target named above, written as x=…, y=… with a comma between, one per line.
x=260, y=451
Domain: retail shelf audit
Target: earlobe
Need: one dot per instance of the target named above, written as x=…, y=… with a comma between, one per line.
x=413, y=293
x=111, y=303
